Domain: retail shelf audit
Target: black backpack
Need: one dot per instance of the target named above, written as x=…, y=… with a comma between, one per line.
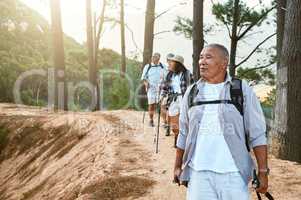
x=150, y=66
x=237, y=99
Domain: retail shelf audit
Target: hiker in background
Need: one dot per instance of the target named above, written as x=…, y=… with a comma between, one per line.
x=220, y=120
x=151, y=77
x=174, y=86
x=164, y=99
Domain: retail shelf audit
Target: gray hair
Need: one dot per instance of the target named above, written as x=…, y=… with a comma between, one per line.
x=156, y=55
x=220, y=47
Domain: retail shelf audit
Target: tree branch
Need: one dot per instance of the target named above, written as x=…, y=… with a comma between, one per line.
x=101, y=19
x=164, y=12
x=253, y=33
x=133, y=38
x=161, y=32
x=256, y=22
x=170, y=8
x=256, y=68
x=229, y=32
x=254, y=50
x=240, y=28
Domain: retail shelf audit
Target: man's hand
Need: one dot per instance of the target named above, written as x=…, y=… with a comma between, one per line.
x=146, y=85
x=177, y=168
x=177, y=174
x=264, y=183
x=262, y=163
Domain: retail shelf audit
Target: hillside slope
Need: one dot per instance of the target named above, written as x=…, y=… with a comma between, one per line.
x=68, y=156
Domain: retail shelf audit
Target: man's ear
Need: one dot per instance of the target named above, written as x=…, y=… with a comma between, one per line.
x=226, y=63
x=224, y=66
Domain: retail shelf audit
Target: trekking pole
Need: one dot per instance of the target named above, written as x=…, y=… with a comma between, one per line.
x=256, y=184
x=143, y=116
x=158, y=127
x=144, y=111
x=156, y=139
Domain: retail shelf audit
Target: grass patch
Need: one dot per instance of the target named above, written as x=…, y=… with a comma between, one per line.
x=119, y=187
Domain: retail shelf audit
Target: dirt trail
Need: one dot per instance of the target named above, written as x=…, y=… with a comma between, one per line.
x=285, y=177
x=100, y=155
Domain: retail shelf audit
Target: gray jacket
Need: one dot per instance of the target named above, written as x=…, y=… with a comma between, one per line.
x=232, y=124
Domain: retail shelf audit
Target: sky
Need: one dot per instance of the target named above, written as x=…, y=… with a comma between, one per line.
x=73, y=17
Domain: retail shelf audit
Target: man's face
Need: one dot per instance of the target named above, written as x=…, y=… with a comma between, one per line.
x=212, y=63
x=155, y=59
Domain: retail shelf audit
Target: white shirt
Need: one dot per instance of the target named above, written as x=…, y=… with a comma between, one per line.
x=211, y=151
x=176, y=82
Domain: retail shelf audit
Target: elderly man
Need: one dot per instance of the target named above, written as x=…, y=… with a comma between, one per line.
x=152, y=76
x=220, y=120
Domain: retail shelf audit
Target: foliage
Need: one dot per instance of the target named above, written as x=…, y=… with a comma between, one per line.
x=268, y=104
x=184, y=26
x=224, y=14
x=271, y=99
x=26, y=45
x=265, y=76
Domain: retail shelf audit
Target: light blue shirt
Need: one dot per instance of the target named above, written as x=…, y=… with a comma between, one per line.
x=154, y=75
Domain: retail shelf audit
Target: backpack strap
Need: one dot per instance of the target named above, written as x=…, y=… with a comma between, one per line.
x=168, y=76
x=161, y=65
x=148, y=68
x=237, y=94
x=192, y=94
x=198, y=103
x=238, y=101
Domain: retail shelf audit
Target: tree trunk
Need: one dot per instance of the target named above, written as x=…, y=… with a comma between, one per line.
x=60, y=88
x=100, y=28
x=91, y=57
x=148, y=43
x=234, y=38
x=197, y=35
x=281, y=5
x=290, y=137
x=38, y=92
x=90, y=46
x=97, y=35
x=149, y=31
x=122, y=34
x=280, y=119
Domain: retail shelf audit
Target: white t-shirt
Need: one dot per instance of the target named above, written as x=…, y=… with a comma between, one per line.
x=176, y=82
x=211, y=151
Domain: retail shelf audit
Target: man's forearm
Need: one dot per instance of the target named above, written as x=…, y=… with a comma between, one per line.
x=145, y=82
x=261, y=154
x=179, y=157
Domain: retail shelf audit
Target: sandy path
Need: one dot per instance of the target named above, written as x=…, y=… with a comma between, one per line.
x=161, y=163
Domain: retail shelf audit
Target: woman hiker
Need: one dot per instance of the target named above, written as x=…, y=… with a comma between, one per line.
x=174, y=86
